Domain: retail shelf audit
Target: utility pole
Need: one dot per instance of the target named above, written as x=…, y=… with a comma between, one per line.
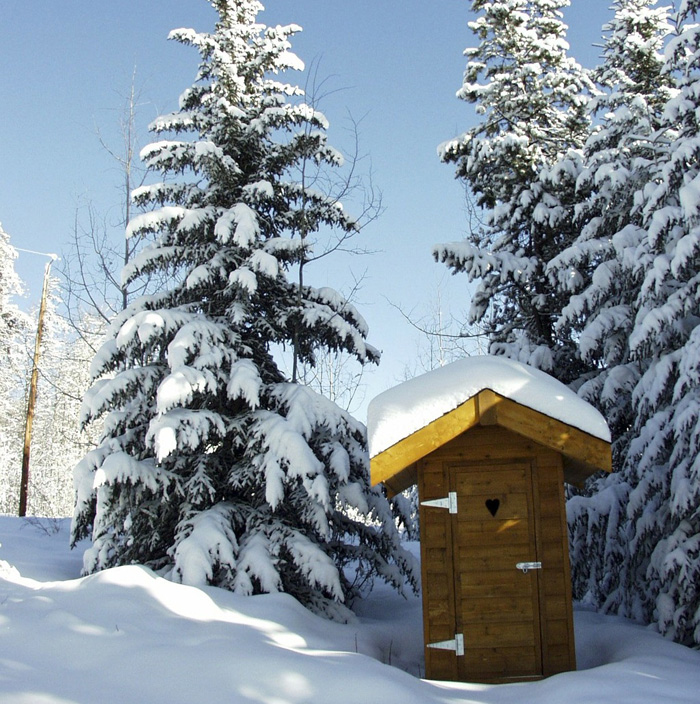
x=24, y=483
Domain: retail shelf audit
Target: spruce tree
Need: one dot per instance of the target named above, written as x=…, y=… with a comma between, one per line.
x=521, y=162
x=659, y=480
x=10, y=286
x=14, y=326
x=603, y=271
x=603, y=268
x=662, y=463
x=214, y=468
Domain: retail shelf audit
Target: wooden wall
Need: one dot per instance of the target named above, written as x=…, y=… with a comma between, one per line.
x=516, y=626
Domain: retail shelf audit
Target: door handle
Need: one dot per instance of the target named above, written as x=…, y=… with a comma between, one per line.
x=525, y=566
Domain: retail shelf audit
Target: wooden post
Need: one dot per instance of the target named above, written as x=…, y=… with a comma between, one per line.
x=24, y=482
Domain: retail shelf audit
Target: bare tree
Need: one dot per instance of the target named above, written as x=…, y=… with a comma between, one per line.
x=90, y=293
x=445, y=336
x=349, y=184
x=92, y=285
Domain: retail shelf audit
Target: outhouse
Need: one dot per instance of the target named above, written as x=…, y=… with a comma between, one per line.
x=490, y=443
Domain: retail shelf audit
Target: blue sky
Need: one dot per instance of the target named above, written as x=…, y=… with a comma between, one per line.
x=396, y=65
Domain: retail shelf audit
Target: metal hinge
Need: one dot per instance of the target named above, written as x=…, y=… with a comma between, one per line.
x=525, y=566
x=449, y=502
x=457, y=644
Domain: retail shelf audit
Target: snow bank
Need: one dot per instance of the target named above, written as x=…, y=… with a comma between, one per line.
x=127, y=635
x=399, y=412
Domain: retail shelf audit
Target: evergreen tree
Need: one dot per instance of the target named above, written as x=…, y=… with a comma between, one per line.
x=10, y=285
x=603, y=271
x=13, y=377
x=659, y=478
x=521, y=162
x=213, y=467
x=663, y=462
x=603, y=268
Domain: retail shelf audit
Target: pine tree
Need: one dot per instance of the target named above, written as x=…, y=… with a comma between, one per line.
x=662, y=463
x=10, y=285
x=13, y=377
x=603, y=268
x=603, y=271
x=213, y=467
x=521, y=162
x=660, y=575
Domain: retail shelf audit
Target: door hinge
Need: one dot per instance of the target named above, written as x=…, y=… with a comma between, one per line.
x=525, y=566
x=449, y=502
x=457, y=644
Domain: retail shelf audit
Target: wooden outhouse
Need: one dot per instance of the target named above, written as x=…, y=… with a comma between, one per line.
x=494, y=548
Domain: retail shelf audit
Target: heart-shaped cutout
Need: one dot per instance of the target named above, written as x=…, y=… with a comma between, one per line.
x=493, y=505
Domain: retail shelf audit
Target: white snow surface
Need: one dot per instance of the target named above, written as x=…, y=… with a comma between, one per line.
x=399, y=412
x=128, y=635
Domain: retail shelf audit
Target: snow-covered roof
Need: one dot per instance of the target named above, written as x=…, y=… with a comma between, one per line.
x=401, y=411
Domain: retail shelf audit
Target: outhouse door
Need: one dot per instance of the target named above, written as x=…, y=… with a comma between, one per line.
x=491, y=558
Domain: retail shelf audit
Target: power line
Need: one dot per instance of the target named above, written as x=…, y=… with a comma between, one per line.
x=54, y=257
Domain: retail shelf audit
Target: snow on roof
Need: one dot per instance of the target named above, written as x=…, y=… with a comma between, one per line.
x=399, y=412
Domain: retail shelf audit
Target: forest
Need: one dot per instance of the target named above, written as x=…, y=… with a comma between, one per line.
x=177, y=417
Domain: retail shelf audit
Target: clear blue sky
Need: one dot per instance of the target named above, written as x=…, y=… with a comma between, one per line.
x=67, y=65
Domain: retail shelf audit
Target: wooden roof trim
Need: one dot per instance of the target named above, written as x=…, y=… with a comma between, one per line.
x=589, y=453
x=402, y=480
x=581, y=447
x=424, y=441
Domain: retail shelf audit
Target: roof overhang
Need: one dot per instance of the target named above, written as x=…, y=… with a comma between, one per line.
x=583, y=454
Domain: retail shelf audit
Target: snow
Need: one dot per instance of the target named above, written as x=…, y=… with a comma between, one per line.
x=287, y=455
x=401, y=411
x=178, y=388
x=194, y=553
x=243, y=221
x=244, y=382
x=127, y=635
x=183, y=428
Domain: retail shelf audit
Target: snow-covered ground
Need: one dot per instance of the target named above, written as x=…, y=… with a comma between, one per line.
x=127, y=636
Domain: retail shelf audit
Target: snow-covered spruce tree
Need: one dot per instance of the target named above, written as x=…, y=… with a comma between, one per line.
x=663, y=462
x=521, y=163
x=213, y=468
x=604, y=269
x=14, y=325
x=10, y=285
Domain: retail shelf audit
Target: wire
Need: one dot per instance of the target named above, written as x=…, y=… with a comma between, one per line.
x=54, y=257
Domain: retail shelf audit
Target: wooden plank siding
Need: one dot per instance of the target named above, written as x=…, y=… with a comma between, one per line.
x=496, y=530
x=470, y=582
x=507, y=465
x=437, y=573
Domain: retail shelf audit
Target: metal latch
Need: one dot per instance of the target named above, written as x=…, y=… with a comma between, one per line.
x=449, y=502
x=457, y=644
x=525, y=566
